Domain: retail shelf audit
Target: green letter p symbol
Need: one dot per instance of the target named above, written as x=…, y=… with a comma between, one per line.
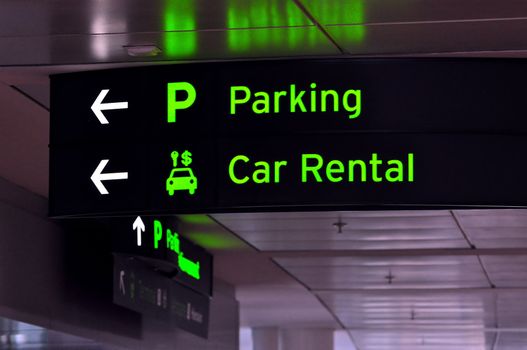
x=175, y=104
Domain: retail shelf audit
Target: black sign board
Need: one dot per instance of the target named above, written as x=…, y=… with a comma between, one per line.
x=284, y=135
x=158, y=241
x=141, y=289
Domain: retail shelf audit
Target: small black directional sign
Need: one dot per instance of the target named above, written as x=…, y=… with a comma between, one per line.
x=159, y=242
x=288, y=135
x=139, y=288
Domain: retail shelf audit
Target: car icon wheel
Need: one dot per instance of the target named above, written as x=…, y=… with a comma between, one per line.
x=191, y=191
x=171, y=192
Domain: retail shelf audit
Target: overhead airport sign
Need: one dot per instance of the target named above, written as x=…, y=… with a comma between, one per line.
x=290, y=134
x=143, y=290
x=158, y=241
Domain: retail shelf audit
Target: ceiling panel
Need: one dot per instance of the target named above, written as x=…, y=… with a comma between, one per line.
x=358, y=230
x=381, y=11
x=353, y=219
x=328, y=273
x=495, y=228
x=511, y=341
x=61, y=17
x=359, y=241
x=411, y=310
x=424, y=340
x=187, y=45
x=512, y=309
x=507, y=271
x=439, y=37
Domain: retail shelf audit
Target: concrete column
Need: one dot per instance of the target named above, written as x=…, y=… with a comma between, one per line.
x=307, y=339
x=266, y=339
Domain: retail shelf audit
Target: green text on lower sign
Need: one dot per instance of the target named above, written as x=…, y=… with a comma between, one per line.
x=171, y=239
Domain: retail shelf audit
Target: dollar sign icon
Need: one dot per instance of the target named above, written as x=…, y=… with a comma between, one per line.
x=186, y=158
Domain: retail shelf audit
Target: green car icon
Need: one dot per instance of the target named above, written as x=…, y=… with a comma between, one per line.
x=181, y=179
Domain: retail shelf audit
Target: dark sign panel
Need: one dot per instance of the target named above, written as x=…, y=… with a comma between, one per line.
x=162, y=102
x=288, y=135
x=141, y=289
x=159, y=242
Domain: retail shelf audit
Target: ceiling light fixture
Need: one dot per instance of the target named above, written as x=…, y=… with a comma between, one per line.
x=390, y=277
x=339, y=224
x=149, y=50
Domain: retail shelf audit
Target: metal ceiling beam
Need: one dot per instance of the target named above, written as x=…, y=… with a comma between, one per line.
x=439, y=329
x=392, y=253
x=473, y=246
x=418, y=290
x=320, y=27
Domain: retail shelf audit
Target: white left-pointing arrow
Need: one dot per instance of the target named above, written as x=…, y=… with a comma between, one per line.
x=98, y=177
x=97, y=107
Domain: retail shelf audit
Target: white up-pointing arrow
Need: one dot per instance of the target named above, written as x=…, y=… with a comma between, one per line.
x=98, y=177
x=139, y=226
x=97, y=107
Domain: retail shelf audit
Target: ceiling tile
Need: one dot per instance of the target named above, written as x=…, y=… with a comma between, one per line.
x=507, y=271
x=409, y=311
x=381, y=11
x=502, y=228
x=423, y=340
x=511, y=341
x=359, y=230
x=421, y=38
x=512, y=310
x=322, y=273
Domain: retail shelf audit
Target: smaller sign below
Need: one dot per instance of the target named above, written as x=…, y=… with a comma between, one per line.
x=159, y=241
x=141, y=289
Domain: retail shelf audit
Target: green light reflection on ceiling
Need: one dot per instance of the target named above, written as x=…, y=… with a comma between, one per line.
x=214, y=241
x=198, y=219
x=247, y=40
x=345, y=20
x=180, y=38
x=260, y=16
x=264, y=13
x=353, y=34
